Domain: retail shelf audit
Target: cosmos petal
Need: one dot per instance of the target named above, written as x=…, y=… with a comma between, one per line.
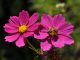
x=33, y=27
x=33, y=19
x=58, y=20
x=41, y=35
x=12, y=38
x=66, y=28
x=27, y=34
x=10, y=29
x=69, y=40
x=45, y=46
x=23, y=17
x=61, y=41
x=20, y=42
x=46, y=21
x=14, y=20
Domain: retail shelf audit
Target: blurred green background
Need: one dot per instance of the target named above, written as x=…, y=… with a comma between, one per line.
x=69, y=8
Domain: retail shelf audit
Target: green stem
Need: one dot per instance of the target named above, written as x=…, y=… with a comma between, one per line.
x=34, y=49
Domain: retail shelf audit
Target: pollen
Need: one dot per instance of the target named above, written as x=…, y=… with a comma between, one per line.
x=23, y=28
x=53, y=32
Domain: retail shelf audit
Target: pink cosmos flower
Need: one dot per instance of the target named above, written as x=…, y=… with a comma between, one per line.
x=54, y=31
x=21, y=27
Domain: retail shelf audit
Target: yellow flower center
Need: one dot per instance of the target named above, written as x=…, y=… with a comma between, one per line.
x=23, y=28
x=53, y=32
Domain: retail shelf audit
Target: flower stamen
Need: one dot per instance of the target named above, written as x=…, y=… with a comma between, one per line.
x=53, y=32
x=23, y=28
